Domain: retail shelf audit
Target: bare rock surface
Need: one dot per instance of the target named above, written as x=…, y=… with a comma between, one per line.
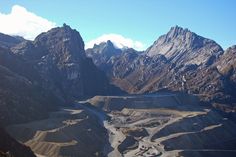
x=180, y=60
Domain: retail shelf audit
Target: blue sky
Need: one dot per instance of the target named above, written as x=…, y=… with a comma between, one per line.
x=139, y=20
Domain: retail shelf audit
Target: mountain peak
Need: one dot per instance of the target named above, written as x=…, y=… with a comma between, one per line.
x=105, y=48
x=183, y=46
x=59, y=32
x=108, y=44
x=64, y=40
x=65, y=25
x=177, y=30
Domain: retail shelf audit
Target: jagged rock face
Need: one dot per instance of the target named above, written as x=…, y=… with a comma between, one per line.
x=226, y=63
x=216, y=83
x=226, y=66
x=59, y=57
x=182, y=46
x=102, y=53
x=133, y=73
x=107, y=49
x=118, y=65
x=64, y=43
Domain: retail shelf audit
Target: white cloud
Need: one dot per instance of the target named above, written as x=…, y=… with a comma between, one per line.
x=117, y=40
x=23, y=23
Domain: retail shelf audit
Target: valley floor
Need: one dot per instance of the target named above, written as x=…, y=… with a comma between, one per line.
x=144, y=126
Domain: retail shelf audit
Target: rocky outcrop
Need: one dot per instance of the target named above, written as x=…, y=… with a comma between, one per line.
x=226, y=63
x=226, y=67
x=102, y=54
x=59, y=58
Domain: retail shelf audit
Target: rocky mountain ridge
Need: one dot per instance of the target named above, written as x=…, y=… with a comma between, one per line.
x=53, y=66
x=59, y=57
x=178, y=61
x=181, y=46
x=38, y=77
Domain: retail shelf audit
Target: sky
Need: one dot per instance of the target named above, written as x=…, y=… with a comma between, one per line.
x=131, y=23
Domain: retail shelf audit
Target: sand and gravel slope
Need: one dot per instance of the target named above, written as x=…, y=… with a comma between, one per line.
x=127, y=126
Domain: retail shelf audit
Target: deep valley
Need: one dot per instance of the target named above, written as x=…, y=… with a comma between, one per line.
x=156, y=125
x=177, y=98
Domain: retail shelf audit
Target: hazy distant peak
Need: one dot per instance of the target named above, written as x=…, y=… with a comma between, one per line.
x=107, y=48
x=107, y=44
x=118, y=41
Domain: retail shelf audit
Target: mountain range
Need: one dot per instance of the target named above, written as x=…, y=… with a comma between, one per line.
x=39, y=77
x=177, y=61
